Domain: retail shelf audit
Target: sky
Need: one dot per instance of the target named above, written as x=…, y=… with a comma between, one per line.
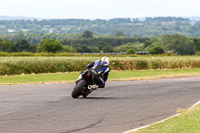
x=99, y=9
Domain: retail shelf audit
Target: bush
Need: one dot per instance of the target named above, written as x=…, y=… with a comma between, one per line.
x=197, y=53
x=156, y=50
x=107, y=49
x=50, y=45
x=141, y=64
x=169, y=54
x=131, y=51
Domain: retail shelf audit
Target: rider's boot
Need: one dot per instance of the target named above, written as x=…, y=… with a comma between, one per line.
x=102, y=85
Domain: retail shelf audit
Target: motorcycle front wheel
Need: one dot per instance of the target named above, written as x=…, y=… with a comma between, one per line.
x=77, y=91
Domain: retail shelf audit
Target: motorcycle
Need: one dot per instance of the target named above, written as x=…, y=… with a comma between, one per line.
x=85, y=84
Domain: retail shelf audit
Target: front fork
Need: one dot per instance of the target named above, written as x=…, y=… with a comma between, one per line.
x=79, y=79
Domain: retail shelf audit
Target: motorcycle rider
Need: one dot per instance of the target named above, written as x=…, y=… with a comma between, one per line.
x=100, y=70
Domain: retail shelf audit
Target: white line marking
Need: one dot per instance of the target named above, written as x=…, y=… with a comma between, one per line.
x=196, y=104
x=133, y=130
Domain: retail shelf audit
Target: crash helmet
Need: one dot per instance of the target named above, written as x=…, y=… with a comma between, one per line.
x=106, y=59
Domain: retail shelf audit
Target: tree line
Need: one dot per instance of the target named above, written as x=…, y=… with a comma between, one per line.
x=129, y=26
x=89, y=42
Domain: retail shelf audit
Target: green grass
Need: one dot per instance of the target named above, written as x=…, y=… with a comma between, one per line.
x=49, y=77
x=151, y=73
x=114, y=75
x=186, y=122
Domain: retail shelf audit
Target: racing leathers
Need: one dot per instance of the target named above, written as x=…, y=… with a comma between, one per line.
x=101, y=72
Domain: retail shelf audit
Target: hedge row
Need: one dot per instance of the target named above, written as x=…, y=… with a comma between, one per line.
x=153, y=64
x=38, y=65
x=25, y=54
x=28, y=65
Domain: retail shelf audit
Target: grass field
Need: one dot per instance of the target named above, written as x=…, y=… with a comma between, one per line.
x=187, y=122
x=114, y=75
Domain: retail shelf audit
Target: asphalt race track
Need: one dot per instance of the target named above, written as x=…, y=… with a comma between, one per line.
x=121, y=106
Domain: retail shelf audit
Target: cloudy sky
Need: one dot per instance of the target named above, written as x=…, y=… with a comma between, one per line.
x=94, y=9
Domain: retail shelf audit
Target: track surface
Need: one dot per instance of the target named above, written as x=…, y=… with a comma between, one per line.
x=121, y=106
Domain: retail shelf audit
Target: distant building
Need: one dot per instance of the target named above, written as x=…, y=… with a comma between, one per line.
x=142, y=52
x=192, y=23
x=11, y=30
x=25, y=30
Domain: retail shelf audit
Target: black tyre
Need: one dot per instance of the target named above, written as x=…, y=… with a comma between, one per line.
x=85, y=95
x=77, y=91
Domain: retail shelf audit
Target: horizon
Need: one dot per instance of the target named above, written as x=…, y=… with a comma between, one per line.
x=99, y=9
x=144, y=17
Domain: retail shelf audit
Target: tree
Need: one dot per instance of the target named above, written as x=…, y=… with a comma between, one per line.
x=22, y=45
x=49, y=45
x=67, y=48
x=107, y=49
x=119, y=33
x=95, y=49
x=1, y=40
x=131, y=51
x=125, y=47
x=101, y=44
x=156, y=50
x=87, y=34
x=1, y=46
x=179, y=44
x=33, y=48
x=147, y=43
x=7, y=46
x=197, y=44
x=83, y=48
x=18, y=36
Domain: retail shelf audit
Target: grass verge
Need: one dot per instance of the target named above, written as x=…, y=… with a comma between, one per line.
x=114, y=76
x=187, y=122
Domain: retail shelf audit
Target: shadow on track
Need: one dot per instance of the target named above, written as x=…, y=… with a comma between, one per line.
x=102, y=98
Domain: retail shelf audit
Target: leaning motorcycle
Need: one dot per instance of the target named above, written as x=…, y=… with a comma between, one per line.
x=85, y=84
